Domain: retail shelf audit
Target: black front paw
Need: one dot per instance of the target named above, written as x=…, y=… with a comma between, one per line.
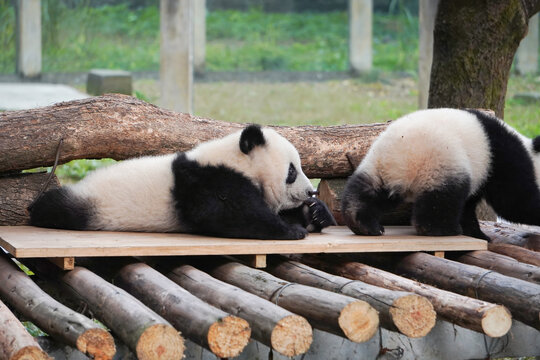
x=296, y=232
x=318, y=215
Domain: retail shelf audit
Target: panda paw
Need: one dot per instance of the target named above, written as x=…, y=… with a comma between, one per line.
x=296, y=232
x=318, y=215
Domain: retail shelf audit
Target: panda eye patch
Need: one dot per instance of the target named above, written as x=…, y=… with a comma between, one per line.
x=291, y=176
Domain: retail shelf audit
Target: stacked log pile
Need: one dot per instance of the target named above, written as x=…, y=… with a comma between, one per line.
x=219, y=303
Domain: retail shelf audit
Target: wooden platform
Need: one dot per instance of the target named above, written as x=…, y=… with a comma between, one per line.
x=28, y=241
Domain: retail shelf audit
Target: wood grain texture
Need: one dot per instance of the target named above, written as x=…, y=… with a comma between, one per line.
x=120, y=127
x=28, y=241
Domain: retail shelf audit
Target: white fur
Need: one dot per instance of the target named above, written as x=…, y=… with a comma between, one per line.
x=266, y=166
x=422, y=150
x=128, y=191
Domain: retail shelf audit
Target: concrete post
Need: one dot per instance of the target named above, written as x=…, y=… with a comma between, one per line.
x=200, y=36
x=527, y=53
x=176, y=63
x=360, y=35
x=28, y=43
x=427, y=13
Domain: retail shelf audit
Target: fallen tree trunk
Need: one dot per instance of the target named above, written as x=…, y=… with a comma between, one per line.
x=15, y=342
x=502, y=264
x=52, y=317
x=339, y=314
x=17, y=192
x=223, y=334
x=408, y=313
x=493, y=320
x=521, y=297
x=120, y=127
x=520, y=235
x=283, y=331
x=516, y=252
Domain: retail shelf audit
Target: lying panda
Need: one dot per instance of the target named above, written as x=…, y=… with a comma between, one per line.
x=445, y=161
x=246, y=185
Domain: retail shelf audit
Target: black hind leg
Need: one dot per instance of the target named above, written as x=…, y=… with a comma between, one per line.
x=438, y=212
x=469, y=221
x=363, y=203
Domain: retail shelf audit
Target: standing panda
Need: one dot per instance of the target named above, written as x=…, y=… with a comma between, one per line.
x=445, y=161
x=246, y=185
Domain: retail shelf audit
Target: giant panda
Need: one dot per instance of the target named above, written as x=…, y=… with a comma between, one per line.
x=444, y=161
x=248, y=184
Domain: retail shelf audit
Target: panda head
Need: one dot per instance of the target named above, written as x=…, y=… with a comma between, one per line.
x=269, y=160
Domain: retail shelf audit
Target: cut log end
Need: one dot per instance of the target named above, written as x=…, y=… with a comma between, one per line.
x=160, y=341
x=30, y=353
x=98, y=343
x=359, y=321
x=496, y=321
x=292, y=336
x=413, y=315
x=228, y=337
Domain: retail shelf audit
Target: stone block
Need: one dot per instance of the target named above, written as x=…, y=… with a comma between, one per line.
x=103, y=81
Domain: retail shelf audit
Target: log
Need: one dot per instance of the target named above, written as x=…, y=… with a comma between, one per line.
x=516, y=252
x=17, y=191
x=15, y=342
x=120, y=127
x=223, y=334
x=408, y=313
x=330, y=191
x=493, y=320
x=502, y=264
x=339, y=314
x=522, y=298
x=51, y=316
x=283, y=331
x=146, y=333
x=520, y=235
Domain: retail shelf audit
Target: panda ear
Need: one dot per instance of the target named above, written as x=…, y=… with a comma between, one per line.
x=251, y=136
x=536, y=144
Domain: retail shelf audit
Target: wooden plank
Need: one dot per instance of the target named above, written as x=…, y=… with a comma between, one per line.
x=28, y=241
x=439, y=254
x=64, y=263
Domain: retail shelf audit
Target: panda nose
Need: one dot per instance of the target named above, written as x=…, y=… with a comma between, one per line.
x=313, y=192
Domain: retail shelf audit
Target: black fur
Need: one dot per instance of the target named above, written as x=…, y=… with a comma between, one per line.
x=511, y=187
x=60, y=209
x=251, y=136
x=536, y=144
x=218, y=201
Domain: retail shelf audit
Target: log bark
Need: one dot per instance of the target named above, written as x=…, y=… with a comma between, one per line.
x=502, y=264
x=526, y=236
x=339, y=314
x=15, y=342
x=223, y=334
x=408, y=313
x=516, y=252
x=471, y=63
x=520, y=297
x=120, y=127
x=493, y=320
x=52, y=317
x=146, y=333
x=283, y=331
x=17, y=192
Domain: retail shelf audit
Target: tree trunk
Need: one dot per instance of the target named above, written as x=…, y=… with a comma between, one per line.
x=502, y=264
x=283, y=331
x=15, y=342
x=473, y=50
x=493, y=320
x=120, y=127
x=411, y=314
x=223, y=334
x=526, y=236
x=521, y=297
x=339, y=314
x=52, y=317
x=520, y=254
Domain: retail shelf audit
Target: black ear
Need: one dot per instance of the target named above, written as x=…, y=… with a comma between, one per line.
x=251, y=136
x=536, y=144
